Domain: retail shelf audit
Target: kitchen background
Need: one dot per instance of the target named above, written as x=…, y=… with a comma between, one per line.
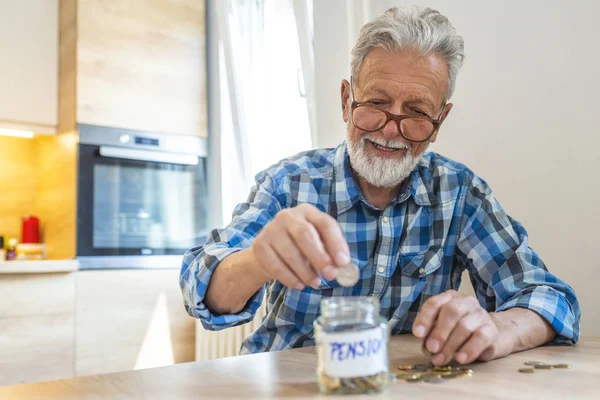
x=110, y=174
x=103, y=127
x=128, y=128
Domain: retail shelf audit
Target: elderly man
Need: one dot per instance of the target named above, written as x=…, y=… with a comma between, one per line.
x=411, y=221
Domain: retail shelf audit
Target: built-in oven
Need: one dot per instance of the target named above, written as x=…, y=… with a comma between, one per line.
x=142, y=198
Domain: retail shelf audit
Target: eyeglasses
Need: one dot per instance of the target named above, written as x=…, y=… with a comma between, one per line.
x=370, y=118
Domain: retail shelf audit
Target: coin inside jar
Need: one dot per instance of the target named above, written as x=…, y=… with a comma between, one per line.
x=347, y=275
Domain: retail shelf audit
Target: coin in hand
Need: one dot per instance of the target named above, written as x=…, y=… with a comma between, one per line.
x=348, y=275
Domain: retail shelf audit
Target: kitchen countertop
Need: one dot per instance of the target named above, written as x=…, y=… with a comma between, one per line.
x=291, y=374
x=38, y=267
x=130, y=262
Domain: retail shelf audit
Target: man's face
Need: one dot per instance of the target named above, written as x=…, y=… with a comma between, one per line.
x=402, y=83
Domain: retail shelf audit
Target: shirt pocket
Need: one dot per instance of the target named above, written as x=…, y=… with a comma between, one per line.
x=420, y=265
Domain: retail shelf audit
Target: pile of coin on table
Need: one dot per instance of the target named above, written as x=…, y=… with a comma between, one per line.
x=535, y=365
x=430, y=374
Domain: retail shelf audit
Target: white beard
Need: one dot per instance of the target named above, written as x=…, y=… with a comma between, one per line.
x=379, y=171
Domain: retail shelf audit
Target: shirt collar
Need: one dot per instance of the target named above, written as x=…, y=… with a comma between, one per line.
x=346, y=192
x=421, y=184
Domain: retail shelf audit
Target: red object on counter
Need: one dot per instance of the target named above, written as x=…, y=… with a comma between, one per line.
x=30, y=230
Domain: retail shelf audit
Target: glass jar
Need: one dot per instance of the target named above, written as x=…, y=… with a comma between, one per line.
x=352, y=346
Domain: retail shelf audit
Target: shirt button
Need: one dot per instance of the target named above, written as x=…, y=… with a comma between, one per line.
x=385, y=220
x=421, y=271
x=381, y=270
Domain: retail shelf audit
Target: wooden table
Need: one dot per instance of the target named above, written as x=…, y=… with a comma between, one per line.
x=291, y=374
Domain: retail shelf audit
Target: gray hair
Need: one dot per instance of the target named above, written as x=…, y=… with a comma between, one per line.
x=423, y=29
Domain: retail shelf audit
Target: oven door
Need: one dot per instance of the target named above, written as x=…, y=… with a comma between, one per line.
x=138, y=208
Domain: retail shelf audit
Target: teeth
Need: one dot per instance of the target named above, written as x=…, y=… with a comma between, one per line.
x=383, y=147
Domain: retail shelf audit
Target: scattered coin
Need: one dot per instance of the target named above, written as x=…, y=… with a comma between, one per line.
x=453, y=375
x=430, y=374
x=435, y=380
x=540, y=365
x=562, y=366
x=527, y=370
x=423, y=366
x=405, y=377
x=348, y=275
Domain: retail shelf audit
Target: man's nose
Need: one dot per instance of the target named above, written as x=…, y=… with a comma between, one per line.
x=391, y=129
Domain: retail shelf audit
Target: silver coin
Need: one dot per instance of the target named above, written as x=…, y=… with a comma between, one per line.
x=347, y=275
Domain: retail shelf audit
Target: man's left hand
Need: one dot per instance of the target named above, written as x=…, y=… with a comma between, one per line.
x=454, y=325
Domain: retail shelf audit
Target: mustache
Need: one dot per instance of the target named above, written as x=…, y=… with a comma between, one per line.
x=394, y=144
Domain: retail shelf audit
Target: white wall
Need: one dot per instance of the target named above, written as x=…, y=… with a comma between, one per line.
x=331, y=66
x=526, y=117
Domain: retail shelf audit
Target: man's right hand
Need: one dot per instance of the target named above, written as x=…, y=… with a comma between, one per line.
x=299, y=245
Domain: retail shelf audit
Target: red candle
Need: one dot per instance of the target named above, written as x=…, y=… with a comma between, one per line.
x=30, y=230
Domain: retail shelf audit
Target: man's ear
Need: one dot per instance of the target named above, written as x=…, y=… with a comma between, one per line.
x=446, y=111
x=345, y=97
x=442, y=118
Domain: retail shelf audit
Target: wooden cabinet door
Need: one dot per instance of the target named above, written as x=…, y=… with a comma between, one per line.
x=130, y=319
x=29, y=66
x=36, y=327
x=141, y=65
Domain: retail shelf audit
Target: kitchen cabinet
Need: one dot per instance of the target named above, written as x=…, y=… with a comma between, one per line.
x=137, y=64
x=130, y=319
x=36, y=327
x=61, y=325
x=29, y=67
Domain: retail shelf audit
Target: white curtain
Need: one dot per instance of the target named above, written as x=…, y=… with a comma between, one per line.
x=241, y=27
x=264, y=104
x=303, y=11
x=259, y=111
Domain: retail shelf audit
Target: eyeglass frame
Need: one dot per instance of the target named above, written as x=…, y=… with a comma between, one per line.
x=396, y=118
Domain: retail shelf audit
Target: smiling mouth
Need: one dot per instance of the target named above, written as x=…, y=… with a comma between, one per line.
x=386, y=148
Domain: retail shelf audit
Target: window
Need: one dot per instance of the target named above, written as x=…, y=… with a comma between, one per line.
x=263, y=108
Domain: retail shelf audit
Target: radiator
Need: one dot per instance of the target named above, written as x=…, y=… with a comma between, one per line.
x=225, y=343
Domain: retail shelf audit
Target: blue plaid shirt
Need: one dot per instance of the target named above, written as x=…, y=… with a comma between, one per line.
x=444, y=220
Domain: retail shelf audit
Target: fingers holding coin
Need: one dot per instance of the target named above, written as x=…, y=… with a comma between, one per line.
x=348, y=275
